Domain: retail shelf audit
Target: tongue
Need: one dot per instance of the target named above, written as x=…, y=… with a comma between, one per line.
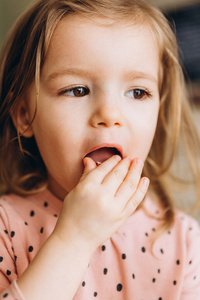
x=102, y=154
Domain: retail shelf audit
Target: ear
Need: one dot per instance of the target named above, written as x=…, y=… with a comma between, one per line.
x=21, y=119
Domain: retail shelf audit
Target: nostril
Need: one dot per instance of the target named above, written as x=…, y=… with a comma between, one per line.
x=108, y=124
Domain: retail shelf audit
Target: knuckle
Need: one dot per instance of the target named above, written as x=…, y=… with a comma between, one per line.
x=103, y=169
x=87, y=187
x=132, y=183
x=137, y=198
x=119, y=174
x=135, y=202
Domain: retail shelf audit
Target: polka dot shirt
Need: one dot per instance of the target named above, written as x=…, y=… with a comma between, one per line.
x=124, y=267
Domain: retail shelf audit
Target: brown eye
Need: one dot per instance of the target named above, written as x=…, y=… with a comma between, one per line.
x=78, y=91
x=138, y=94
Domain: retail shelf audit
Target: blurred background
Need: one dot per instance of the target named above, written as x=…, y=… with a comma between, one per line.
x=184, y=13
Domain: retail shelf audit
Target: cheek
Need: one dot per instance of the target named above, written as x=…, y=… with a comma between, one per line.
x=143, y=132
x=149, y=130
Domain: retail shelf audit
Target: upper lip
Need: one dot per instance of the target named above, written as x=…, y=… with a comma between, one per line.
x=107, y=145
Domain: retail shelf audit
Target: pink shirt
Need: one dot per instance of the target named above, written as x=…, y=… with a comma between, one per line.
x=122, y=268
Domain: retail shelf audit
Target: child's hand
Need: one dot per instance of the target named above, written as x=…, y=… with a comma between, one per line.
x=103, y=199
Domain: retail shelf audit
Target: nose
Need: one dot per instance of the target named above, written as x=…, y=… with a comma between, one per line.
x=106, y=114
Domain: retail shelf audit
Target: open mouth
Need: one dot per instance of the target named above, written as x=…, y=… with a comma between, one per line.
x=102, y=154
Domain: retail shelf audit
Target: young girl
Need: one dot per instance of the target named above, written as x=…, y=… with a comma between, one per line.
x=92, y=91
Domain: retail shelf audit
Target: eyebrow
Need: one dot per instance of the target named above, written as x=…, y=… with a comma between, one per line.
x=140, y=75
x=131, y=75
x=69, y=71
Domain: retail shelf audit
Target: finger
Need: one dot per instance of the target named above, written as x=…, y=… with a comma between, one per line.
x=98, y=174
x=89, y=165
x=115, y=178
x=138, y=196
x=130, y=184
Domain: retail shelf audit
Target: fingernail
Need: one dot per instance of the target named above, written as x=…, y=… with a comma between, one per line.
x=117, y=157
x=146, y=181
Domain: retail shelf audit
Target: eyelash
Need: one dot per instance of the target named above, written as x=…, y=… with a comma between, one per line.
x=144, y=92
x=139, y=93
x=74, y=90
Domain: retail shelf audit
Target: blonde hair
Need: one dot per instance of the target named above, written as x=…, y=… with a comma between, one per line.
x=22, y=59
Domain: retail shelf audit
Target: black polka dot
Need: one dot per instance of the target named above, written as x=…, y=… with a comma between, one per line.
x=95, y=294
x=42, y=230
x=160, y=298
x=8, y=272
x=169, y=232
x=32, y=213
x=12, y=234
x=6, y=231
x=190, y=262
x=143, y=249
x=55, y=215
x=123, y=256
x=83, y=283
x=153, y=229
x=15, y=258
x=194, y=277
x=174, y=282
x=1, y=258
x=105, y=271
x=30, y=249
x=119, y=287
x=12, y=249
x=178, y=262
x=5, y=295
x=153, y=280
x=159, y=271
x=103, y=248
x=133, y=276
x=161, y=250
x=25, y=223
x=45, y=204
x=146, y=234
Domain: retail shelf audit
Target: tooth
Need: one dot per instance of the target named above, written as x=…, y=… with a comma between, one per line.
x=98, y=163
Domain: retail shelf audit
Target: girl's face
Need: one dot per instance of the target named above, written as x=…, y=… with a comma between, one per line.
x=99, y=88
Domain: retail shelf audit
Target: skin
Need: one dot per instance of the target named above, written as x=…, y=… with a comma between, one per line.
x=112, y=69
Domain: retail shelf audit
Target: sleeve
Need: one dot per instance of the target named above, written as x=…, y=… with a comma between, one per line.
x=191, y=285
x=8, y=274
x=12, y=293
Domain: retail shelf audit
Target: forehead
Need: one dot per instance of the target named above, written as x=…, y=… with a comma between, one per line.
x=77, y=39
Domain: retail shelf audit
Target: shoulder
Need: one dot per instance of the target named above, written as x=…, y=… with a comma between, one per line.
x=186, y=225
x=187, y=234
x=146, y=222
x=29, y=206
x=23, y=218
x=25, y=224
